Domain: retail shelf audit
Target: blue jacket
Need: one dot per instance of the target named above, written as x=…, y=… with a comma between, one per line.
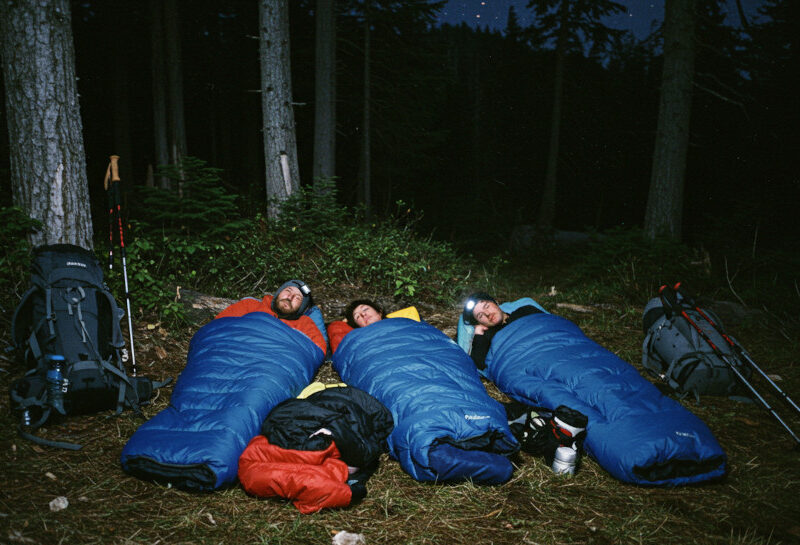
x=237, y=370
x=447, y=427
x=635, y=433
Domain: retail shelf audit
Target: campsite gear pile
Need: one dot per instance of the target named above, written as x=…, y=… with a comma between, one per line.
x=318, y=451
x=66, y=330
x=555, y=434
x=687, y=348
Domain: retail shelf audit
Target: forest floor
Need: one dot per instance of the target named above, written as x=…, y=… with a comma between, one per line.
x=756, y=503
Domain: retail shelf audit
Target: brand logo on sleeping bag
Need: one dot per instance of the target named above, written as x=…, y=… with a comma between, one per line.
x=76, y=264
x=684, y=434
x=476, y=416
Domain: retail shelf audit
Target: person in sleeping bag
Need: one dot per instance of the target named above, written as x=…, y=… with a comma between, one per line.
x=563, y=429
x=482, y=311
x=290, y=301
x=362, y=312
x=634, y=432
x=249, y=358
x=447, y=427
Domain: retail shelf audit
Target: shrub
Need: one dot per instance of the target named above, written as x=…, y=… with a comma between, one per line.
x=623, y=262
x=313, y=237
x=15, y=226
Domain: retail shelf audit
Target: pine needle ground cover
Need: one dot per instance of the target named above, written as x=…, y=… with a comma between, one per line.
x=755, y=504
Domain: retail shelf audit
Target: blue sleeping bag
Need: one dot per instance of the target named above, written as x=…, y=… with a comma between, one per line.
x=635, y=433
x=237, y=370
x=447, y=427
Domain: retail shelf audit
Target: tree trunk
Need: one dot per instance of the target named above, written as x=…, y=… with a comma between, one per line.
x=325, y=91
x=547, y=207
x=366, y=159
x=159, y=79
x=177, y=125
x=280, y=145
x=664, y=213
x=122, y=125
x=48, y=162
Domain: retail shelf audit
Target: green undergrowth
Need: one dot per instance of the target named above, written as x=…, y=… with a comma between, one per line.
x=207, y=247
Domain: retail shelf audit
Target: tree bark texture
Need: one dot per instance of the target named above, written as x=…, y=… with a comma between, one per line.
x=172, y=37
x=365, y=170
x=280, y=144
x=48, y=162
x=664, y=213
x=547, y=207
x=159, y=82
x=122, y=125
x=325, y=92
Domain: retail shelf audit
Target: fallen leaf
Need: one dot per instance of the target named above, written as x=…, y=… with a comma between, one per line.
x=347, y=538
x=211, y=519
x=151, y=326
x=16, y=536
x=59, y=503
x=51, y=476
x=576, y=308
x=747, y=421
x=161, y=353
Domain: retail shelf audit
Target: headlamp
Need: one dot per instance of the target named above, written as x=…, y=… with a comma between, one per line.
x=469, y=306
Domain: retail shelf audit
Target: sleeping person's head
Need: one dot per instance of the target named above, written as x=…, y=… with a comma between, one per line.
x=362, y=312
x=482, y=309
x=291, y=300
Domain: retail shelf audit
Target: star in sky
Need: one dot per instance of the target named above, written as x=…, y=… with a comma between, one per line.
x=641, y=17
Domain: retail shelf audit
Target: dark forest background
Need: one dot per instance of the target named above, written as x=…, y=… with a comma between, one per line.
x=461, y=117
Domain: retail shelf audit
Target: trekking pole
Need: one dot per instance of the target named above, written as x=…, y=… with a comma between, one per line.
x=112, y=186
x=734, y=344
x=669, y=299
x=110, y=219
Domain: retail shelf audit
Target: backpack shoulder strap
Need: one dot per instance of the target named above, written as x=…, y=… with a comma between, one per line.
x=18, y=329
x=47, y=442
x=116, y=314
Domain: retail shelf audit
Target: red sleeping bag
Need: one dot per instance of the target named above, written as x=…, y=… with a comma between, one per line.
x=313, y=479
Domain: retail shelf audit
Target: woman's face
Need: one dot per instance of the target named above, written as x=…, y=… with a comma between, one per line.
x=363, y=315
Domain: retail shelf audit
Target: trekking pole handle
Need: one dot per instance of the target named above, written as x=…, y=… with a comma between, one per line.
x=669, y=300
x=114, y=166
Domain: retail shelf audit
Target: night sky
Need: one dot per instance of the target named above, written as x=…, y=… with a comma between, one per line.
x=641, y=17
